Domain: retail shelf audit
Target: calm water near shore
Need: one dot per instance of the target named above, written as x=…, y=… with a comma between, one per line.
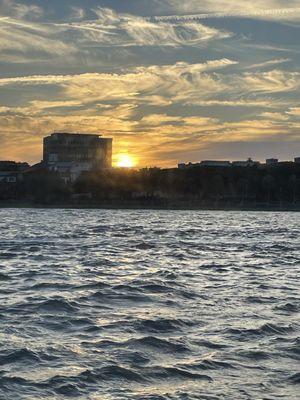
x=116, y=304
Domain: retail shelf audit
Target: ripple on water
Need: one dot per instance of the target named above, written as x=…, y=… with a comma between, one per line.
x=152, y=305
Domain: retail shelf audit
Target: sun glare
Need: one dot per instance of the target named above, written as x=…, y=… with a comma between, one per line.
x=125, y=161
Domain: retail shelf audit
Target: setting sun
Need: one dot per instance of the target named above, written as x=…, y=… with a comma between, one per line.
x=125, y=161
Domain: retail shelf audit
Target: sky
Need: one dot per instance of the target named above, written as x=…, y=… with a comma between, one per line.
x=169, y=80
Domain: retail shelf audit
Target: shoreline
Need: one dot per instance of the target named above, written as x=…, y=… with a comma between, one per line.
x=170, y=207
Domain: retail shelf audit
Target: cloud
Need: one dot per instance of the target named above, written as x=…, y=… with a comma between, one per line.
x=283, y=13
x=113, y=29
x=274, y=81
x=20, y=10
x=77, y=14
x=259, y=9
x=180, y=85
x=24, y=40
x=173, y=83
x=245, y=102
x=274, y=116
x=295, y=112
x=269, y=63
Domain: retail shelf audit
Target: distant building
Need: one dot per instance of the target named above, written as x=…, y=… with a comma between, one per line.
x=247, y=163
x=211, y=163
x=297, y=160
x=221, y=164
x=70, y=154
x=272, y=161
x=11, y=171
x=13, y=166
x=181, y=165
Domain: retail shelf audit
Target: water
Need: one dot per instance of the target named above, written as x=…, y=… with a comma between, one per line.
x=149, y=305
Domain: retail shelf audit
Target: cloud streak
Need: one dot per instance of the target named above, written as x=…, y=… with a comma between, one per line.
x=279, y=13
x=257, y=9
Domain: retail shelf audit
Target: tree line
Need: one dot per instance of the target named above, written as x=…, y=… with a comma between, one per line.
x=256, y=186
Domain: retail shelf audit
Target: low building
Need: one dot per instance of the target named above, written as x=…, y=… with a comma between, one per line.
x=220, y=163
x=181, y=165
x=272, y=161
x=13, y=166
x=246, y=163
x=69, y=171
x=212, y=163
x=297, y=160
x=11, y=171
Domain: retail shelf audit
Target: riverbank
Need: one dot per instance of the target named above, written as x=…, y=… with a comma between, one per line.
x=163, y=206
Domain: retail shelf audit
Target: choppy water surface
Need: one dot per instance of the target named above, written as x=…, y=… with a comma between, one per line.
x=149, y=305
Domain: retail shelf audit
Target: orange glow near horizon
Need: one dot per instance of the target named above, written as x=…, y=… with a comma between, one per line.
x=125, y=161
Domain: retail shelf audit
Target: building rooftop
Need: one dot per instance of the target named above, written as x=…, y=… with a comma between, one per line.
x=94, y=135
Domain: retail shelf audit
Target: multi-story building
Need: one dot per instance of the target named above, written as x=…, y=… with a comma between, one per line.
x=70, y=154
x=80, y=148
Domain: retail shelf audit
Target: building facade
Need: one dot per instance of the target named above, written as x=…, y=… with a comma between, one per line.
x=71, y=154
x=272, y=161
x=91, y=150
x=11, y=171
x=215, y=163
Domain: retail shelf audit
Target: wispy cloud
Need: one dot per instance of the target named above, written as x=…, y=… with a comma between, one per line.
x=20, y=10
x=279, y=13
x=21, y=38
x=194, y=10
x=295, y=112
x=269, y=63
x=113, y=29
x=24, y=41
x=274, y=81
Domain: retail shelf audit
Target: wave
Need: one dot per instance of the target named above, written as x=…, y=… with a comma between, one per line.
x=293, y=349
x=288, y=307
x=144, y=246
x=21, y=355
x=94, y=376
x=56, y=305
x=51, y=285
x=160, y=344
x=166, y=274
x=4, y=277
x=209, y=365
x=118, y=373
x=7, y=381
x=266, y=329
x=210, y=345
x=8, y=256
x=175, y=373
x=92, y=285
x=161, y=325
x=260, y=299
x=256, y=355
x=295, y=379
